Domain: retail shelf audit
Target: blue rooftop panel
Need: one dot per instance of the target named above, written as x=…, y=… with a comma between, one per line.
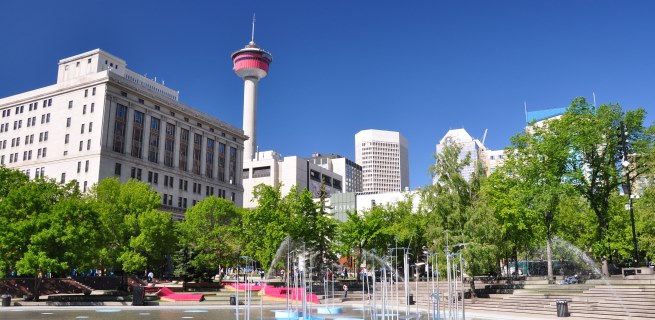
x=539, y=115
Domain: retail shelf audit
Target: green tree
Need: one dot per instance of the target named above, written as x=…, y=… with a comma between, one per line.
x=266, y=226
x=12, y=241
x=211, y=232
x=596, y=155
x=645, y=215
x=537, y=162
x=517, y=224
x=446, y=203
x=125, y=212
x=482, y=230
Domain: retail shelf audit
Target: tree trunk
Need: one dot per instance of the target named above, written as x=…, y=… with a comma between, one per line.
x=516, y=262
x=37, y=287
x=549, y=255
x=473, y=293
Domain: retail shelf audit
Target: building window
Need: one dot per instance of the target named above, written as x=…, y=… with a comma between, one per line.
x=68, y=122
x=90, y=126
x=82, y=128
x=93, y=91
x=85, y=183
x=86, y=91
x=197, y=149
x=79, y=166
x=88, y=144
x=81, y=145
x=137, y=134
x=93, y=105
x=169, y=145
x=45, y=150
x=84, y=109
x=117, y=169
x=153, y=145
x=70, y=104
x=184, y=149
x=233, y=166
x=209, y=159
x=63, y=178
x=135, y=173
x=119, y=128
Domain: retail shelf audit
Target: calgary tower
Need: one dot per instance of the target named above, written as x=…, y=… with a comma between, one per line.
x=250, y=64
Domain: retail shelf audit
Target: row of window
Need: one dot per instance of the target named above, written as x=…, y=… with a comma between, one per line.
x=167, y=199
x=32, y=106
x=154, y=134
x=45, y=118
x=153, y=178
x=27, y=155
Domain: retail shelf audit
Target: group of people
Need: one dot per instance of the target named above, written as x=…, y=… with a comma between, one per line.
x=92, y=273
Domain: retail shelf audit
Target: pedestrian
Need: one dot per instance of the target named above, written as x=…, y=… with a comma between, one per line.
x=261, y=274
x=150, y=276
x=345, y=290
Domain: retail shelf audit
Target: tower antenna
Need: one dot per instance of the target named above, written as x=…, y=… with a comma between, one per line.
x=252, y=37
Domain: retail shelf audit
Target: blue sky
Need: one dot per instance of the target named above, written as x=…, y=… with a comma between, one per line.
x=417, y=67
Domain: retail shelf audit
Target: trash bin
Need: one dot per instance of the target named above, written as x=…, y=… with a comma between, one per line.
x=233, y=300
x=410, y=299
x=138, y=296
x=562, y=308
x=6, y=300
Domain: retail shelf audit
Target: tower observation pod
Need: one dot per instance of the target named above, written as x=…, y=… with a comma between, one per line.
x=250, y=64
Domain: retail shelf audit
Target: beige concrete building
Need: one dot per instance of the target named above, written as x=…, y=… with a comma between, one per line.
x=103, y=120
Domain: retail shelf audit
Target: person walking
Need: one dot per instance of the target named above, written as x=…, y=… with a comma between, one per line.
x=345, y=290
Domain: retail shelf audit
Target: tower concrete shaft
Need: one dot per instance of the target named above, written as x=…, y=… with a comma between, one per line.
x=250, y=116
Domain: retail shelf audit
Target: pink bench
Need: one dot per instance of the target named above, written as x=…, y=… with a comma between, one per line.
x=168, y=295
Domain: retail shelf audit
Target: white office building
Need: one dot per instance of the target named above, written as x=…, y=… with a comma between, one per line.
x=270, y=168
x=103, y=120
x=468, y=146
x=384, y=158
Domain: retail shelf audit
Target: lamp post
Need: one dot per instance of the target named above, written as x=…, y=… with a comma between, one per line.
x=628, y=189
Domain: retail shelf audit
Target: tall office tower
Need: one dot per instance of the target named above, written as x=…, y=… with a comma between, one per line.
x=469, y=146
x=384, y=158
x=103, y=120
x=251, y=64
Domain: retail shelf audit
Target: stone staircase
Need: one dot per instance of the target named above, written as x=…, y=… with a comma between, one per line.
x=593, y=300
